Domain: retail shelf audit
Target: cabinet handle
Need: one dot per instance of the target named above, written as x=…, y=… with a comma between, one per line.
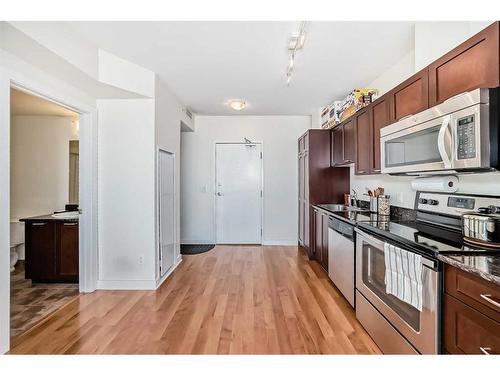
x=487, y=298
x=348, y=161
x=376, y=170
x=38, y=224
x=70, y=224
x=485, y=350
x=362, y=172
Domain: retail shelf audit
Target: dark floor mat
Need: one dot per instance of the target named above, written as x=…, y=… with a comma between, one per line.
x=195, y=249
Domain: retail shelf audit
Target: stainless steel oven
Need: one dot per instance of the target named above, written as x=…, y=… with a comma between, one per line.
x=396, y=326
x=457, y=135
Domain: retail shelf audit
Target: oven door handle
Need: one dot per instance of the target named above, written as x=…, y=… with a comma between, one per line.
x=447, y=159
x=381, y=245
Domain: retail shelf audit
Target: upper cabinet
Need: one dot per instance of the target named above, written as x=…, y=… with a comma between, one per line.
x=410, y=97
x=473, y=64
x=363, y=140
x=344, y=143
x=380, y=118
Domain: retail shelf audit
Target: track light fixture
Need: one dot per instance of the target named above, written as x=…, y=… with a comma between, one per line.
x=295, y=44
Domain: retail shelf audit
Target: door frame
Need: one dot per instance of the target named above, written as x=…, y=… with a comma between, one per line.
x=159, y=276
x=261, y=185
x=88, y=230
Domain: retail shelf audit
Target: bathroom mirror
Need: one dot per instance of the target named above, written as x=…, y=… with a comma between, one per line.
x=73, y=171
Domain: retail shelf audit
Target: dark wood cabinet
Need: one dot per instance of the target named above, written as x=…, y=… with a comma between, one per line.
x=40, y=244
x=52, y=250
x=343, y=143
x=320, y=246
x=318, y=181
x=473, y=64
x=410, y=97
x=337, y=151
x=363, y=141
x=349, y=141
x=67, y=251
x=379, y=118
x=471, y=322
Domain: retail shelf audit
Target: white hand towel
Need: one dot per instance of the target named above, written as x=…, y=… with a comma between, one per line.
x=403, y=275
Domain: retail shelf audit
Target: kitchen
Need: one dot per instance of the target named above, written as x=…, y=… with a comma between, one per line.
x=298, y=192
x=424, y=279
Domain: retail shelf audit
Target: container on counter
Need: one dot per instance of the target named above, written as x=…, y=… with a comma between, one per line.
x=384, y=207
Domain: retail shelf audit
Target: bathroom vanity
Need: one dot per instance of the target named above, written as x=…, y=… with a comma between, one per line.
x=52, y=249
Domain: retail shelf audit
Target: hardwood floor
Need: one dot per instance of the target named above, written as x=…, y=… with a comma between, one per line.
x=232, y=299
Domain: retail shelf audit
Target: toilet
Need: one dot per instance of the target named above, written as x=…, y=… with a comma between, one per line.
x=16, y=242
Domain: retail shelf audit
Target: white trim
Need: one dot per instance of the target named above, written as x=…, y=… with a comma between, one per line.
x=157, y=215
x=126, y=284
x=169, y=272
x=280, y=243
x=88, y=190
x=261, y=186
x=197, y=242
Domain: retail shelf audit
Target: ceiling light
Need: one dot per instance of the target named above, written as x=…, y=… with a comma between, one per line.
x=295, y=44
x=237, y=104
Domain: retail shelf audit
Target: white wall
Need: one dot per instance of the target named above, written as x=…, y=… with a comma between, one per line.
x=278, y=135
x=39, y=164
x=126, y=193
x=432, y=40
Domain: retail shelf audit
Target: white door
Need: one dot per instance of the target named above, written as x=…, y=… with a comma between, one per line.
x=166, y=207
x=238, y=193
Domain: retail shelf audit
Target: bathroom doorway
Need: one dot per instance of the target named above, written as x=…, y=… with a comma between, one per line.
x=44, y=208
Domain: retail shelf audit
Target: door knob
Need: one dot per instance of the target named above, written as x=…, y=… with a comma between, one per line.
x=219, y=194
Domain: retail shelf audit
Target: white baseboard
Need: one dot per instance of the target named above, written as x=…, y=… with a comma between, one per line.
x=126, y=284
x=280, y=243
x=197, y=242
x=165, y=277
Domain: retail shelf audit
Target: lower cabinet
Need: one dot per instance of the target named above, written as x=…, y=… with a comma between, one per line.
x=471, y=316
x=52, y=251
x=320, y=246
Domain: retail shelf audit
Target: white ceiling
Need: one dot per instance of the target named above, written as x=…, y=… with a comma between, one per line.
x=23, y=104
x=207, y=63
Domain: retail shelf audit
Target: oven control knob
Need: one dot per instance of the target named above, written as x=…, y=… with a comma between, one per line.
x=423, y=201
x=433, y=202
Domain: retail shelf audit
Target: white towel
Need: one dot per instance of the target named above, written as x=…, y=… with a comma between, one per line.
x=403, y=275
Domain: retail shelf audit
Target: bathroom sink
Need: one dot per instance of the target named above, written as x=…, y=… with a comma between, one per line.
x=66, y=215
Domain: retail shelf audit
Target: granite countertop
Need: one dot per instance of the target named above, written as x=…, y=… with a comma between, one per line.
x=485, y=266
x=47, y=217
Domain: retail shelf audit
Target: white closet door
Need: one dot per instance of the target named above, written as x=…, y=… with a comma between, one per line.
x=166, y=192
x=238, y=193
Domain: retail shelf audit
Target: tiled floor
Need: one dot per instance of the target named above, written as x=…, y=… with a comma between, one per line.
x=29, y=303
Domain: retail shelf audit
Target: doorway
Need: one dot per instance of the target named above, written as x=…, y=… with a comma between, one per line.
x=44, y=227
x=238, y=193
x=166, y=210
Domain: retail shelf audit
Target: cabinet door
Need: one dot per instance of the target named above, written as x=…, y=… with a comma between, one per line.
x=40, y=251
x=307, y=223
x=318, y=235
x=363, y=140
x=473, y=64
x=349, y=141
x=379, y=119
x=337, y=145
x=467, y=331
x=324, y=242
x=410, y=97
x=301, y=199
x=67, y=251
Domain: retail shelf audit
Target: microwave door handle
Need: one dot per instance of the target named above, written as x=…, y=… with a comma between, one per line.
x=441, y=142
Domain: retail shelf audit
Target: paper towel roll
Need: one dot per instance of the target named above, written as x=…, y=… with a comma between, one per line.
x=445, y=184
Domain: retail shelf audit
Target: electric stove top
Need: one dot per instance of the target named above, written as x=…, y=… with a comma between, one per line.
x=423, y=237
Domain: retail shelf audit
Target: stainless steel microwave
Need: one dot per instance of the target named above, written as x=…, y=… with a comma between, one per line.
x=458, y=135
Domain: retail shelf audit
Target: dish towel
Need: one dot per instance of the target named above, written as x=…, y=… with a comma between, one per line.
x=403, y=275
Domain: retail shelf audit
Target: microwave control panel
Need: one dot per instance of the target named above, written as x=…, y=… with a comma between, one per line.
x=466, y=134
